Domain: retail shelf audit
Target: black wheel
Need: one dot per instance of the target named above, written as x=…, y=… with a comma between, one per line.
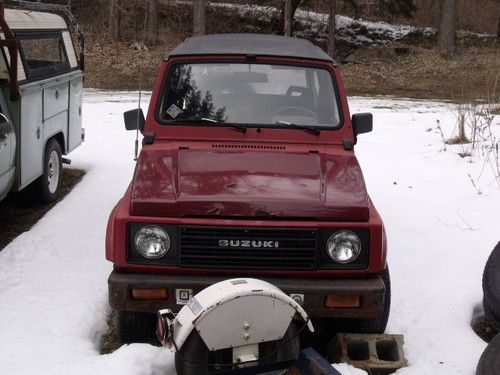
x=48, y=185
x=489, y=363
x=135, y=326
x=491, y=288
x=376, y=325
x=194, y=358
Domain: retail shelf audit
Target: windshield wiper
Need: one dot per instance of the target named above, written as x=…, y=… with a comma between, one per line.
x=310, y=129
x=215, y=122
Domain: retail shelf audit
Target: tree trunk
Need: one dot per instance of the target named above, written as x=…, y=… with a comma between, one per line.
x=498, y=29
x=287, y=14
x=199, y=25
x=446, y=38
x=331, y=29
x=287, y=18
x=114, y=20
x=152, y=21
x=355, y=8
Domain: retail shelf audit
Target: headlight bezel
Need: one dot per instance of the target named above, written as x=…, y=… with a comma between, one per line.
x=343, y=236
x=152, y=233
x=134, y=256
x=361, y=262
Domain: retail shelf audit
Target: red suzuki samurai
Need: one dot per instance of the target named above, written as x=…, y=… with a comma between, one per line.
x=248, y=169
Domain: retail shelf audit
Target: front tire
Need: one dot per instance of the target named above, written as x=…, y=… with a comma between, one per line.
x=135, y=326
x=48, y=185
x=194, y=358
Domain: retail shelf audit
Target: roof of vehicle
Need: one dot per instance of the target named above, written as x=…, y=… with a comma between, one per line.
x=249, y=44
x=25, y=19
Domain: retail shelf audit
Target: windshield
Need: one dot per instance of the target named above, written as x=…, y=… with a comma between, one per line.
x=242, y=93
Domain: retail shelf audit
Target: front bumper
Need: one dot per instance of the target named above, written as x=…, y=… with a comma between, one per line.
x=370, y=290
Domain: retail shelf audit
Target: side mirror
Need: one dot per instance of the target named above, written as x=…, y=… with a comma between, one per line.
x=362, y=123
x=134, y=119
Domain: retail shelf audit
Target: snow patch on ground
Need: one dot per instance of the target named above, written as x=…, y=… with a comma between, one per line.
x=346, y=369
x=53, y=299
x=313, y=25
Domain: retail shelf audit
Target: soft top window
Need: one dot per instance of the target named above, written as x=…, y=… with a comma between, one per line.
x=43, y=54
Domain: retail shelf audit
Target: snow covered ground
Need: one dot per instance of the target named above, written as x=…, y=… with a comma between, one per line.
x=53, y=294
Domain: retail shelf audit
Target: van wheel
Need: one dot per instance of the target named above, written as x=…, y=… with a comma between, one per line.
x=135, y=326
x=48, y=184
x=489, y=363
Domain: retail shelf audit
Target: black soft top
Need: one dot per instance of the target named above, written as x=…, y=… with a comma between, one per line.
x=249, y=44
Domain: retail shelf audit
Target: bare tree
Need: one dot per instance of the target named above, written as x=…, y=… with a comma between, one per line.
x=446, y=38
x=287, y=18
x=498, y=29
x=152, y=21
x=331, y=29
x=287, y=13
x=115, y=19
x=199, y=24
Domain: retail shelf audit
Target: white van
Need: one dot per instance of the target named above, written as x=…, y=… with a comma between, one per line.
x=41, y=82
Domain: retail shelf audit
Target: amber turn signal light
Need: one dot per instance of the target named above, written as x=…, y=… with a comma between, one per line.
x=150, y=293
x=335, y=300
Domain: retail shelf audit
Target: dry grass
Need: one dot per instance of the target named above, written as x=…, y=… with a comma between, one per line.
x=109, y=341
x=116, y=65
x=459, y=140
x=480, y=16
x=422, y=73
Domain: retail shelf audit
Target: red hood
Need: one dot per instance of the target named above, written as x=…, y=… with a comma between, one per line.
x=187, y=183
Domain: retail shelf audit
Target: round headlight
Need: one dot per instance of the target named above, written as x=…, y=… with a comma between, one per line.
x=343, y=246
x=152, y=242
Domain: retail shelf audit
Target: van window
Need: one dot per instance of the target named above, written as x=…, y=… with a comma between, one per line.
x=43, y=55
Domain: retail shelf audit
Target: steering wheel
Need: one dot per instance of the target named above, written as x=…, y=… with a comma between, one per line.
x=298, y=111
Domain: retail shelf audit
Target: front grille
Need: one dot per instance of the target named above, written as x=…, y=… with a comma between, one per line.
x=200, y=247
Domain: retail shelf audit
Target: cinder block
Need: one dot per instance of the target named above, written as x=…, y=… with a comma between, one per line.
x=379, y=354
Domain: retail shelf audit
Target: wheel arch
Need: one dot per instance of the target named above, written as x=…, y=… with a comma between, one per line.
x=59, y=137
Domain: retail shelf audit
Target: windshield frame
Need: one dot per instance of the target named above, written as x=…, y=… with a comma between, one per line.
x=242, y=60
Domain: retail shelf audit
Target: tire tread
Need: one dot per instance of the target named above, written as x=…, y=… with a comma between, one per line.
x=491, y=288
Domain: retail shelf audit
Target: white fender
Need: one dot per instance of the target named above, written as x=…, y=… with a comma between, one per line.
x=236, y=312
